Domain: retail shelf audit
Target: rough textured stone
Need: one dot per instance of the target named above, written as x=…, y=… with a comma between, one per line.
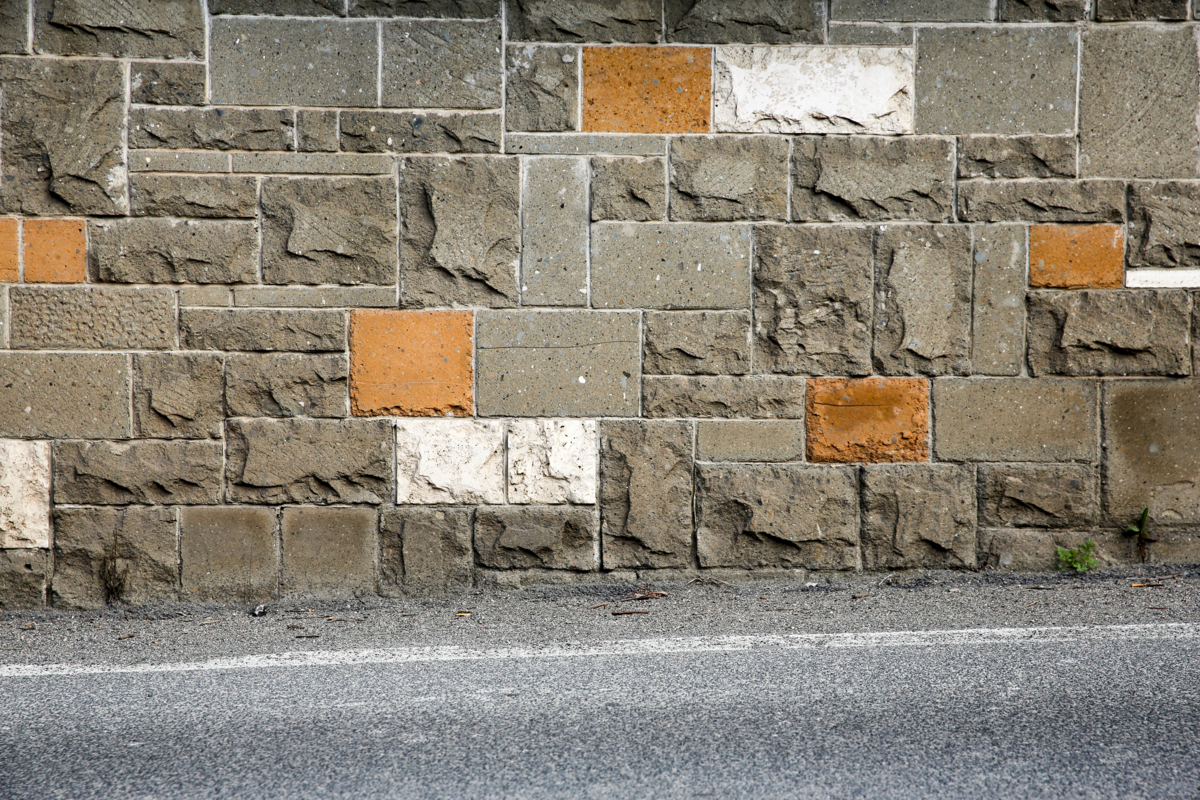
x=449, y=461
x=44, y=169
x=552, y=461
x=91, y=318
x=329, y=230
x=145, y=472
x=309, y=461
x=329, y=551
x=1016, y=157
x=411, y=363
x=286, y=385
x=1014, y=419
x=1123, y=10
x=24, y=494
x=646, y=89
x=755, y=397
x=766, y=515
x=174, y=251
x=170, y=84
x=813, y=90
x=750, y=21
x=1038, y=495
x=1041, y=201
x=1164, y=225
x=697, y=343
x=584, y=20
x=628, y=189
x=73, y=395
x=912, y=10
x=55, y=251
x=1142, y=332
x=419, y=132
x=1037, y=550
x=542, y=89
x=14, y=33
x=459, y=9
x=317, y=131
x=131, y=28
x=114, y=555
x=291, y=8
x=298, y=331
x=576, y=144
x=460, y=231
x=193, y=195
x=750, y=440
x=557, y=364
x=1042, y=10
x=228, y=553
x=530, y=537
x=425, y=549
x=1077, y=256
x=10, y=252
x=23, y=571
x=211, y=128
x=177, y=396
x=441, y=64
x=923, y=303
x=998, y=322
x=729, y=178
x=918, y=516
x=554, y=235
x=812, y=300
x=1137, y=103
x=646, y=493
x=868, y=419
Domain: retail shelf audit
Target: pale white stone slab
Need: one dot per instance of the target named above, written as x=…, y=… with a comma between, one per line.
x=1162, y=278
x=552, y=461
x=24, y=493
x=449, y=461
x=814, y=89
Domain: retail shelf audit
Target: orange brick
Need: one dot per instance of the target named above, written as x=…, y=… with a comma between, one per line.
x=868, y=419
x=55, y=251
x=411, y=363
x=647, y=89
x=8, y=251
x=1077, y=256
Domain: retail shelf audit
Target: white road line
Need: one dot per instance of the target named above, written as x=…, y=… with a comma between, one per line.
x=633, y=647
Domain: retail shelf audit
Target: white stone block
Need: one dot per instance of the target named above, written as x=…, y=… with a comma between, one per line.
x=814, y=89
x=552, y=461
x=449, y=461
x=24, y=493
x=1152, y=278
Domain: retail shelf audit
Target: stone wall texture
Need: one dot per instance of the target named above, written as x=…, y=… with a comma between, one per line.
x=332, y=297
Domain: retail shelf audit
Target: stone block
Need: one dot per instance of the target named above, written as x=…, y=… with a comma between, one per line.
x=578, y=144
x=923, y=302
x=1129, y=10
x=1015, y=419
x=1141, y=332
x=91, y=318
x=314, y=296
x=1038, y=495
x=419, y=132
x=441, y=64
x=72, y=395
x=411, y=363
x=998, y=321
x=542, y=89
x=1016, y=157
x=297, y=331
x=670, y=265
x=309, y=461
x=646, y=89
x=313, y=163
x=1164, y=225
x=114, y=555
x=229, y=552
x=1077, y=256
x=813, y=90
x=919, y=516
x=912, y=10
x=146, y=472
x=868, y=419
x=173, y=83
x=329, y=551
x=458, y=9
x=552, y=461
x=773, y=515
x=753, y=22
x=200, y=161
x=1028, y=550
x=554, y=232
x=1041, y=201
x=1043, y=10
x=24, y=494
x=317, y=131
x=425, y=549
x=460, y=231
x=754, y=397
x=10, y=250
x=211, y=128
x=290, y=8
x=1138, y=89
x=193, y=195
x=14, y=33
x=812, y=300
x=646, y=493
x=329, y=230
x=584, y=20
x=629, y=189
x=729, y=178
x=286, y=385
x=132, y=29
x=535, y=537
x=195, y=296
x=55, y=250
x=147, y=250
x=871, y=35
x=449, y=461
x=697, y=343
x=750, y=440
x=177, y=396
x=23, y=572
x=557, y=364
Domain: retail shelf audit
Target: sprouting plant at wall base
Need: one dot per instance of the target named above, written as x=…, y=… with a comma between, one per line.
x=1080, y=559
x=1139, y=530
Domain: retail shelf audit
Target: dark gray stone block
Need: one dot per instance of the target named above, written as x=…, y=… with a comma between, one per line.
x=193, y=195
x=1164, y=225
x=1042, y=10
x=298, y=331
x=114, y=555
x=329, y=551
x=729, y=178
x=91, y=318
x=1016, y=157
x=23, y=573
x=75, y=395
x=912, y=10
x=286, y=385
x=425, y=550
x=754, y=397
x=1041, y=201
x=441, y=64
x=628, y=189
x=129, y=29
x=533, y=537
x=177, y=396
x=229, y=553
x=998, y=320
x=918, y=515
x=542, y=91
x=419, y=132
x=697, y=343
x=174, y=83
x=146, y=472
x=746, y=22
x=1038, y=495
x=634, y=21
x=173, y=251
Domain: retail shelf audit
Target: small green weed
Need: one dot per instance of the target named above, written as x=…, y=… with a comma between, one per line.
x=1080, y=559
x=1139, y=530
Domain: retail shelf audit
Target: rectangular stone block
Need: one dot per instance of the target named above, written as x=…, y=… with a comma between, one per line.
x=53, y=395
x=23, y=571
x=1016, y=550
x=552, y=461
x=14, y=28
x=419, y=132
x=286, y=385
x=174, y=251
x=628, y=189
x=10, y=250
x=1041, y=201
x=1077, y=256
x=716, y=178
x=55, y=250
x=24, y=494
x=554, y=232
x=1038, y=495
x=411, y=363
x=211, y=128
x=329, y=551
x=868, y=419
x=750, y=440
x=871, y=35
x=314, y=296
x=425, y=550
x=1016, y=157
x=442, y=64
x=114, y=555
x=1129, y=10
x=1015, y=419
x=178, y=161
x=296, y=8
x=647, y=89
x=195, y=296
x=132, y=29
x=542, y=89
x=313, y=163
x=755, y=22
x=754, y=397
x=1042, y=10
x=557, y=364
x=536, y=537
x=998, y=321
x=697, y=343
x=455, y=9
x=229, y=552
x=177, y=396
x=173, y=83
x=193, y=195
x=446, y=461
x=91, y=318
x=584, y=21
x=576, y=144
x=146, y=472
x=297, y=331
x=918, y=516
x=912, y=10
x=317, y=131
x=1164, y=225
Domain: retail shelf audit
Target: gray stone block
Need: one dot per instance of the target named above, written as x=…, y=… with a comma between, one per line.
x=289, y=8
x=23, y=571
x=584, y=21
x=297, y=331
x=174, y=83
x=812, y=300
x=314, y=296
x=173, y=251
x=1038, y=495
x=1015, y=419
x=101, y=318
x=146, y=472
x=872, y=35
x=14, y=33
x=1041, y=201
x=211, y=128
x=1016, y=157
x=998, y=321
x=205, y=296
x=909, y=178
x=229, y=553
x=749, y=22
x=750, y=440
x=533, y=537
x=441, y=64
x=629, y=189
x=177, y=396
x=542, y=90
x=729, y=178
x=1037, y=550
x=76, y=395
x=286, y=385
x=114, y=555
x=309, y=461
x=193, y=195
x=419, y=132
x=912, y=10
x=923, y=302
x=755, y=397
x=646, y=493
x=554, y=234
x=557, y=364
x=425, y=549
x=697, y=343
x=918, y=515
x=1137, y=102
x=1139, y=332
x=329, y=551
x=460, y=231
x=131, y=29
x=313, y=163
x=766, y=515
x=1042, y=10
x=178, y=161
x=577, y=144
x=1164, y=225
x=458, y=9
x=1128, y=10
x=317, y=131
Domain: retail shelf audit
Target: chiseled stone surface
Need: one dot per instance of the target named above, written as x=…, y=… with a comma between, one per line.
x=109, y=555
x=317, y=131
x=75, y=395
x=424, y=549
x=441, y=64
x=193, y=195
x=1042, y=10
x=1029, y=550
x=456, y=9
x=291, y=8
x=998, y=321
x=91, y=318
x=1038, y=495
x=918, y=516
x=813, y=90
x=14, y=33
x=419, y=132
x=750, y=440
x=749, y=21
x=1041, y=201
x=533, y=537
x=229, y=552
x=882, y=35
x=1129, y=10
x=1016, y=157
x=1164, y=225
x=297, y=330
x=584, y=20
x=24, y=493
x=449, y=461
x=286, y=385
x=329, y=551
x=23, y=571
x=717, y=178
x=131, y=28
x=628, y=189
x=177, y=396
x=173, y=83
x=912, y=10
x=145, y=250
x=554, y=236
x=868, y=419
x=753, y=397
x=542, y=88
x=552, y=461
x=211, y=128
x=146, y=472
x=696, y=342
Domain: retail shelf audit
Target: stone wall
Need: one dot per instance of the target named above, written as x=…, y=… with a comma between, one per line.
x=332, y=296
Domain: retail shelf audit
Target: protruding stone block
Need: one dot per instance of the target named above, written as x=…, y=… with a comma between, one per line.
x=697, y=342
x=752, y=21
x=918, y=516
x=552, y=461
x=1038, y=495
x=23, y=572
x=532, y=537
x=1164, y=225
x=114, y=555
x=1041, y=201
x=145, y=472
x=754, y=397
x=212, y=128
x=425, y=549
x=131, y=29
x=298, y=330
x=729, y=178
x=329, y=551
x=174, y=251
x=449, y=461
x=24, y=494
x=1042, y=10
x=286, y=385
x=1016, y=157
x=646, y=89
x=542, y=89
x=868, y=419
x=628, y=189
x=584, y=21
x=173, y=83
x=194, y=195
x=229, y=552
x=411, y=363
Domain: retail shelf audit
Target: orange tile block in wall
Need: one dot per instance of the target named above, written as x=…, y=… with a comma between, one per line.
x=868, y=419
x=55, y=251
x=9, y=271
x=411, y=363
x=1077, y=256
x=647, y=89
